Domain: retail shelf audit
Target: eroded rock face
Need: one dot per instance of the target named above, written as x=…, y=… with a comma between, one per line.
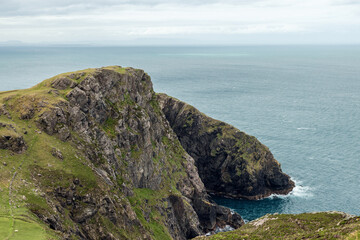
x=63, y=83
x=115, y=119
x=119, y=170
x=10, y=139
x=230, y=162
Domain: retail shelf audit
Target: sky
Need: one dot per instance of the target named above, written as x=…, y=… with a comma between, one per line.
x=175, y=22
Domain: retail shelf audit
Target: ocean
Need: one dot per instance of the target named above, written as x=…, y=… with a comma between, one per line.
x=303, y=102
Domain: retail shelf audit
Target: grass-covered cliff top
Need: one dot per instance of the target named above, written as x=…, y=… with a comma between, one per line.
x=49, y=183
x=43, y=95
x=26, y=177
x=322, y=225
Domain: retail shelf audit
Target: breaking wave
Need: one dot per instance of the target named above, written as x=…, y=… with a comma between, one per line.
x=299, y=191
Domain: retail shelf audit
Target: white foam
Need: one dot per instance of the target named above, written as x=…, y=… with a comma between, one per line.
x=298, y=191
x=301, y=191
x=305, y=128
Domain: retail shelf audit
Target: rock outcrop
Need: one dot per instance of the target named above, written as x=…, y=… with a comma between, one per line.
x=10, y=139
x=104, y=162
x=230, y=162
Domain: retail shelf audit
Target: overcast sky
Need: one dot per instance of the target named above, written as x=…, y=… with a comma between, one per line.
x=174, y=22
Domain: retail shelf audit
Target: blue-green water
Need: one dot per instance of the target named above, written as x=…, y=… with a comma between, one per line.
x=303, y=102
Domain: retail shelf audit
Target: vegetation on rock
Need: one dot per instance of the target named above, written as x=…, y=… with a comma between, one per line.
x=322, y=225
x=230, y=162
x=90, y=155
x=95, y=154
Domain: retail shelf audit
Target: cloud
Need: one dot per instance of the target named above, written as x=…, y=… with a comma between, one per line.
x=124, y=20
x=40, y=7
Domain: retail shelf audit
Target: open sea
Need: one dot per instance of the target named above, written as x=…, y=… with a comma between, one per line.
x=303, y=102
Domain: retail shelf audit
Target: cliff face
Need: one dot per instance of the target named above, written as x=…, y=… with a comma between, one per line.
x=230, y=162
x=93, y=156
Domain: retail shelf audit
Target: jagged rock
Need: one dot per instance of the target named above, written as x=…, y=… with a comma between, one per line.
x=186, y=216
x=129, y=170
x=57, y=153
x=3, y=111
x=92, y=102
x=230, y=162
x=62, y=83
x=10, y=139
x=54, y=121
x=27, y=113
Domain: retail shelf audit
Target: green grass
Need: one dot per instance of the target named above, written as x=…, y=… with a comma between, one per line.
x=109, y=126
x=321, y=225
x=117, y=69
x=151, y=199
x=20, y=223
x=39, y=173
x=21, y=229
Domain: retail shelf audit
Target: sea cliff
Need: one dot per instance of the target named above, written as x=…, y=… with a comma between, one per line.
x=97, y=154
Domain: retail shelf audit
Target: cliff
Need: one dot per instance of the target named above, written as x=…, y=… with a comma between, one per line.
x=230, y=162
x=91, y=155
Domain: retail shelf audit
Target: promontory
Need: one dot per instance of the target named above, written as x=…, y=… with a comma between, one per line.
x=97, y=154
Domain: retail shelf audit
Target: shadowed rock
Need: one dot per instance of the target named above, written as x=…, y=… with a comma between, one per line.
x=122, y=130
x=230, y=162
x=10, y=139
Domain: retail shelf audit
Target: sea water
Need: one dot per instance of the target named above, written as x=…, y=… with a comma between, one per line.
x=303, y=102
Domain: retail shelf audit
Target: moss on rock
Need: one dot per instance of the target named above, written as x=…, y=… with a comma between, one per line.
x=321, y=225
x=230, y=162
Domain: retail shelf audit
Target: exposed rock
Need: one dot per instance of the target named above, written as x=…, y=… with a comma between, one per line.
x=13, y=143
x=10, y=139
x=62, y=83
x=54, y=121
x=3, y=111
x=28, y=106
x=129, y=176
x=185, y=216
x=118, y=113
x=57, y=153
x=230, y=162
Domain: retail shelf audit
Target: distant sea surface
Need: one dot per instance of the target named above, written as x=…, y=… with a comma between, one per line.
x=303, y=102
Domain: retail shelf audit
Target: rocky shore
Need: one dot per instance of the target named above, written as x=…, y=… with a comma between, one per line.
x=97, y=154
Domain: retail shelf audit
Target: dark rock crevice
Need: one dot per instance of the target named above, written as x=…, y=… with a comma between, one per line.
x=230, y=162
x=10, y=139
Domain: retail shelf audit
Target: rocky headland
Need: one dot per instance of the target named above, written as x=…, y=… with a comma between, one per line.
x=97, y=154
x=230, y=162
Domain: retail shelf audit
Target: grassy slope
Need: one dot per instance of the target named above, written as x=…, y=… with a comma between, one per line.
x=323, y=225
x=16, y=221
x=29, y=167
x=25, y=175
x=37, y=171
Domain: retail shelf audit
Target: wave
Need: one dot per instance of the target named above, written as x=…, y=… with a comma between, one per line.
x=205, y=54
x=305, y=128
x=299, y=191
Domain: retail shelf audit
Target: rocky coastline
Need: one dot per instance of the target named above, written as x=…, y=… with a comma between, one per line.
x=97, y=154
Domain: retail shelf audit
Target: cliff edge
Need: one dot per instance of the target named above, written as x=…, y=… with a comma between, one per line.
x=91, y=155
x=230, y=162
